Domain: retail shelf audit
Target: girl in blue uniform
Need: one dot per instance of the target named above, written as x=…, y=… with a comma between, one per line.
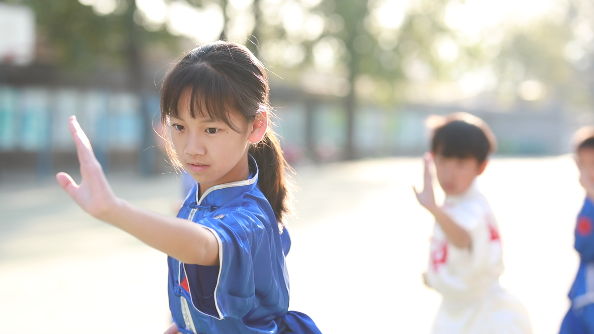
x=227, y=246
x=580, y=317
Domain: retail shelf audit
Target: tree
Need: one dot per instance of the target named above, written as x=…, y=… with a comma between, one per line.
x=377, y=46
x=89, y=39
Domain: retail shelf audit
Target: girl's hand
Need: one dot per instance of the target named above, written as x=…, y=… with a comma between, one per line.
x=426, y=197
x=172, y=330
x=93, y=194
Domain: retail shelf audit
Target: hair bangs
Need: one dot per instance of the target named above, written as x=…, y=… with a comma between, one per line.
x=454, y=149
x=586, y=144
x=459, y=139
x=211, y=94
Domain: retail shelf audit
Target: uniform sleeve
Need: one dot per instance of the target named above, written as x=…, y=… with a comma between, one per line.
x=466, y=269
x=584, y=236
x=239, y=237
x=473, y=221
x=471, y=264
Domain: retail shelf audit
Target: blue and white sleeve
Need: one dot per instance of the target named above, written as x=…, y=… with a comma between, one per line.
x=228, y=290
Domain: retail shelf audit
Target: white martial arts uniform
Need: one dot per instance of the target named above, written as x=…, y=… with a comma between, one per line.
x=468, y=279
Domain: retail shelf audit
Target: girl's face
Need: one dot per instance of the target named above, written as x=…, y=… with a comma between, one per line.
x=585, y=162
x=210, y=150
x=455, y=175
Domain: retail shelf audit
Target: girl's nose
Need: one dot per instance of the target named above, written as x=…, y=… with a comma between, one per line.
x=446, y=173
x=194, y=146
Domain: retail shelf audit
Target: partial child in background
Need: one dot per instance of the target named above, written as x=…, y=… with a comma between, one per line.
x=580, y=317
x=465, y=256
x=227, y=246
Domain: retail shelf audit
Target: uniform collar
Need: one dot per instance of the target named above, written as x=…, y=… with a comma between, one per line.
x=221, y=194
x=469, y=193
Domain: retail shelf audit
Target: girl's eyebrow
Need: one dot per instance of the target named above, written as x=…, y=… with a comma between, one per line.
x=206, y=120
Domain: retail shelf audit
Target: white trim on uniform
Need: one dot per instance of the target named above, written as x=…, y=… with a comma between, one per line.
x=588, y=297
x=189, y=322
x=220, y=316
x=192, y=213
x=226, y=185
x=583, y=300
x=219, y=275
x=191, y=218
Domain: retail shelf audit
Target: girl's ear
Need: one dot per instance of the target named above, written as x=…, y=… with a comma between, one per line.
x=482, y=167
x=259, y=127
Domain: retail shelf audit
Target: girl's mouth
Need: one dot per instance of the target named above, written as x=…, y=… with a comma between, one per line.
x=197, y=168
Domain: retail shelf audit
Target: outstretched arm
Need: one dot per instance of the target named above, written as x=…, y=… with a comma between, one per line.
x=455, y=234
x=184, y=240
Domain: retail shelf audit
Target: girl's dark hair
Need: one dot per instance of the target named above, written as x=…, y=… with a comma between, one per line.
x=583, y=138
x=225, y=77
x=587, y=144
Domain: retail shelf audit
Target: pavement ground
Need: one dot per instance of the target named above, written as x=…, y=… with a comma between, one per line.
x=360, y=245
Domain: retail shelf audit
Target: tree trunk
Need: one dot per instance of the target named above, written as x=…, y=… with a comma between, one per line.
x=350, y=104
x=310, y=144
x=253, y=42
x=146, y=150
x=223, y=36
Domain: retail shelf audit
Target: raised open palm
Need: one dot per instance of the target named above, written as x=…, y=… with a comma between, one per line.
x=426, y=197
x=93, y=194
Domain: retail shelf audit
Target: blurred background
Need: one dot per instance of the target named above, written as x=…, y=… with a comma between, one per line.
x=352, y=82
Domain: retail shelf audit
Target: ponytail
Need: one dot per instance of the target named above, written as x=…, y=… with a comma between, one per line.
x=272, y=179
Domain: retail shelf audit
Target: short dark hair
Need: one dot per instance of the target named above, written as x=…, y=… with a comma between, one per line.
x=460, y=139
x=588, y=143
x=584, y=138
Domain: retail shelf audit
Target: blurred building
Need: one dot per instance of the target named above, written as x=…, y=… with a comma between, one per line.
x=35, y=106
x=119, y=113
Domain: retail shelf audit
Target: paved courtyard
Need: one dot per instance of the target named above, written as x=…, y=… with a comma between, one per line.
x=360, y=243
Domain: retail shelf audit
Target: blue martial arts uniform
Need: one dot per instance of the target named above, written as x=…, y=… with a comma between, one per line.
x=249, y=291
x=580, y=317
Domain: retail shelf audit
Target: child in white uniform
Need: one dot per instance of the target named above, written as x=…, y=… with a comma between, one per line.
x=465, y=258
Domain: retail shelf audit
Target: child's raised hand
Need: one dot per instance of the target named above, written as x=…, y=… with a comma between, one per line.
x=93, y=194
x=426, y=197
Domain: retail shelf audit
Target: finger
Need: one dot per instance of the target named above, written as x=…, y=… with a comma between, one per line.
x=427, y=177
x=67, y=183
x=172, y=330
x=426, y=162
x=416, y=191
x=81, y=141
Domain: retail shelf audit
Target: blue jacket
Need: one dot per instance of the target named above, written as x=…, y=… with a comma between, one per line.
x=249, y=291
x=582, y=291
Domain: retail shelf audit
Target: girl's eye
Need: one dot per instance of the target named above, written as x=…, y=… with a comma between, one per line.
x=212, y=131
x=178, y=127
